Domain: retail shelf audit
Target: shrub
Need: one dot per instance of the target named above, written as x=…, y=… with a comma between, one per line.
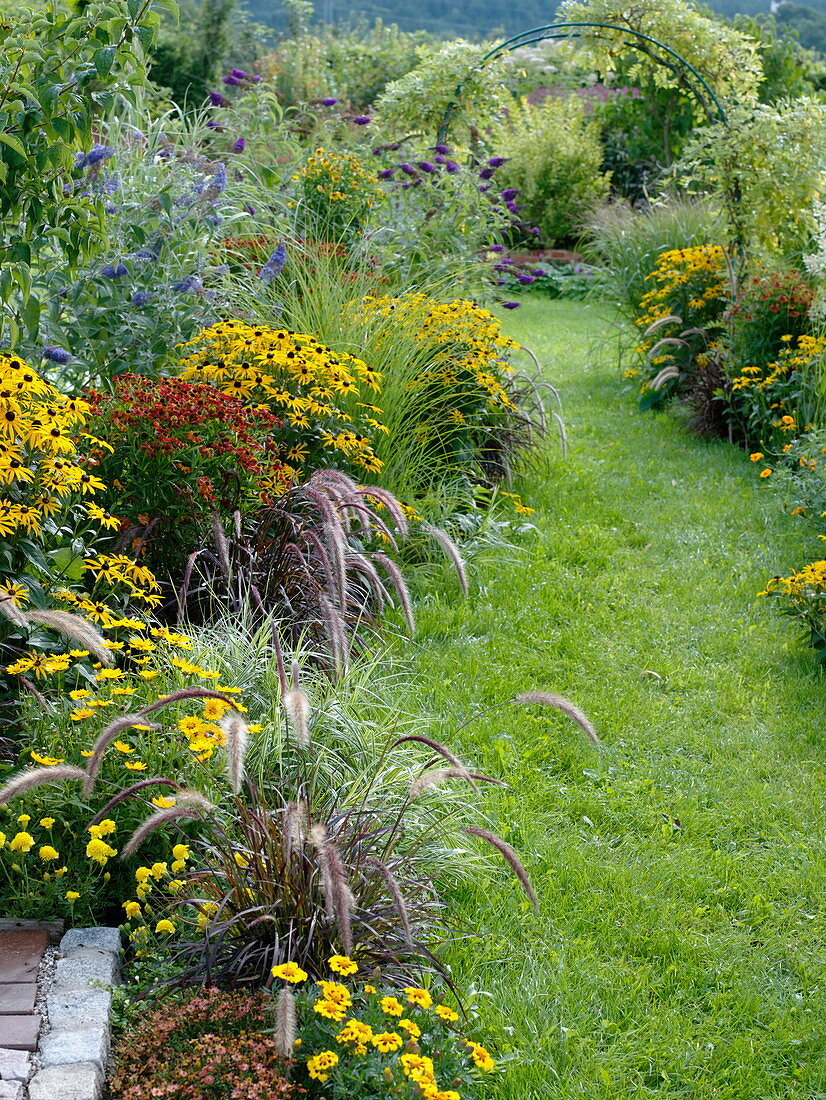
x=145, y=287
x=202, y=1046
x=182, y=451
x=335, y=196
x=553, y=157
x=314, y=391
x=769, y=355
x=768, y=401
x=440, y=209
x=419, y=101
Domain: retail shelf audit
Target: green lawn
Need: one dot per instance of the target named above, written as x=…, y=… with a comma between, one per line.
x=680, y=947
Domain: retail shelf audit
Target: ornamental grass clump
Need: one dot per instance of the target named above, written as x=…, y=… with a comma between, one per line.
x=459, y=410
x=319, y=559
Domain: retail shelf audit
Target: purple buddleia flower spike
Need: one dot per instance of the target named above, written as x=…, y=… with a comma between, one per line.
x=56, y=354
x=274, y=265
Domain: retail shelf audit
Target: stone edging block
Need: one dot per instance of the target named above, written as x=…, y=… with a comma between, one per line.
x=74, y=1050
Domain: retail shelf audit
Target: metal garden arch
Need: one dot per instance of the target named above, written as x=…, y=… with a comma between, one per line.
x=687, y=76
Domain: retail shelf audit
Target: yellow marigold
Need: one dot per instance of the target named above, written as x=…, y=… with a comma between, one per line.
x=48, y=853
x=390, y=1006
x=481, y=1057
x=340, y=964
x=330, y=1009
x=418, y=997
x=132, y=909
x=71, y=896
x=446, y=1014
x=319, y=1065
x=100, y=851
x=766, y=473
x=756, y=456
x=290, y=972
x=103, y=828
x=387, y=1041
x=165, y=926
x=22, y=842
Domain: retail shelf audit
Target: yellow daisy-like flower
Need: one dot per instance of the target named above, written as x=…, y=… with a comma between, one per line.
x=340, y=964
x=181, y=852
x=319, y=1064
x=132, y=908
x=387, y=1041
x=135, y=765
x=162, y=802
x=22, y=842
x=418, y=997
x=766, y=473
x=46, y=822
x=81, y=713
x=165, y=926
x=446, y=1014
x=290, y=972
x=124, y=746
x=71, y=896
x=47, y=853
x=481, y=1057
x=413, y=1030
x=756, y=456
x=330, y=1010
x=46, y=761
x=390, y=1006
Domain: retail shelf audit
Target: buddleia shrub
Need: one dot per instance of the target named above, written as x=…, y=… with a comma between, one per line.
x=553, y=158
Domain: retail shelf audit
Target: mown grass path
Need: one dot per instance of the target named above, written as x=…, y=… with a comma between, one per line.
x=680, y=947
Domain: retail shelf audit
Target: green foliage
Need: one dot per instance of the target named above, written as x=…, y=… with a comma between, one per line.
x=725, y=58
x=553, y=159
x=453, y=76
x=627, y=243
x=807, y=22
x=60, y=72
x=765, y=167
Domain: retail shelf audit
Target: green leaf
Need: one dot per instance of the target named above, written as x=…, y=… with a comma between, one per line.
x=13, y=143
x=31, y=314
x=104, y=59
x=67, y=563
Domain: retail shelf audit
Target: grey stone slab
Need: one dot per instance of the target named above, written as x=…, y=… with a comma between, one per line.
x=17, y=999
x=60, y=1048
x=19, y=1032
x=85, y=965
x=104, y=939
x=80, y=1081
x=78, y=1009
x=15, y=1065
x=11, y=1090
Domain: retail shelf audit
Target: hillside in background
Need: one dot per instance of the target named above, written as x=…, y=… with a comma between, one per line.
x=500, y=18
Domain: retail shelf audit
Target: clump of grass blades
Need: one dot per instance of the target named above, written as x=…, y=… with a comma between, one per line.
x=628, y=242
x=289, y=865
x=318, y=559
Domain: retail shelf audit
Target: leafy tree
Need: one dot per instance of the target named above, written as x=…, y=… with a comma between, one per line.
x=59, y=71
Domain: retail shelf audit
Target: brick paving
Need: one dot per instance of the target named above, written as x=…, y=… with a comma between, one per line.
x=21, y=953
